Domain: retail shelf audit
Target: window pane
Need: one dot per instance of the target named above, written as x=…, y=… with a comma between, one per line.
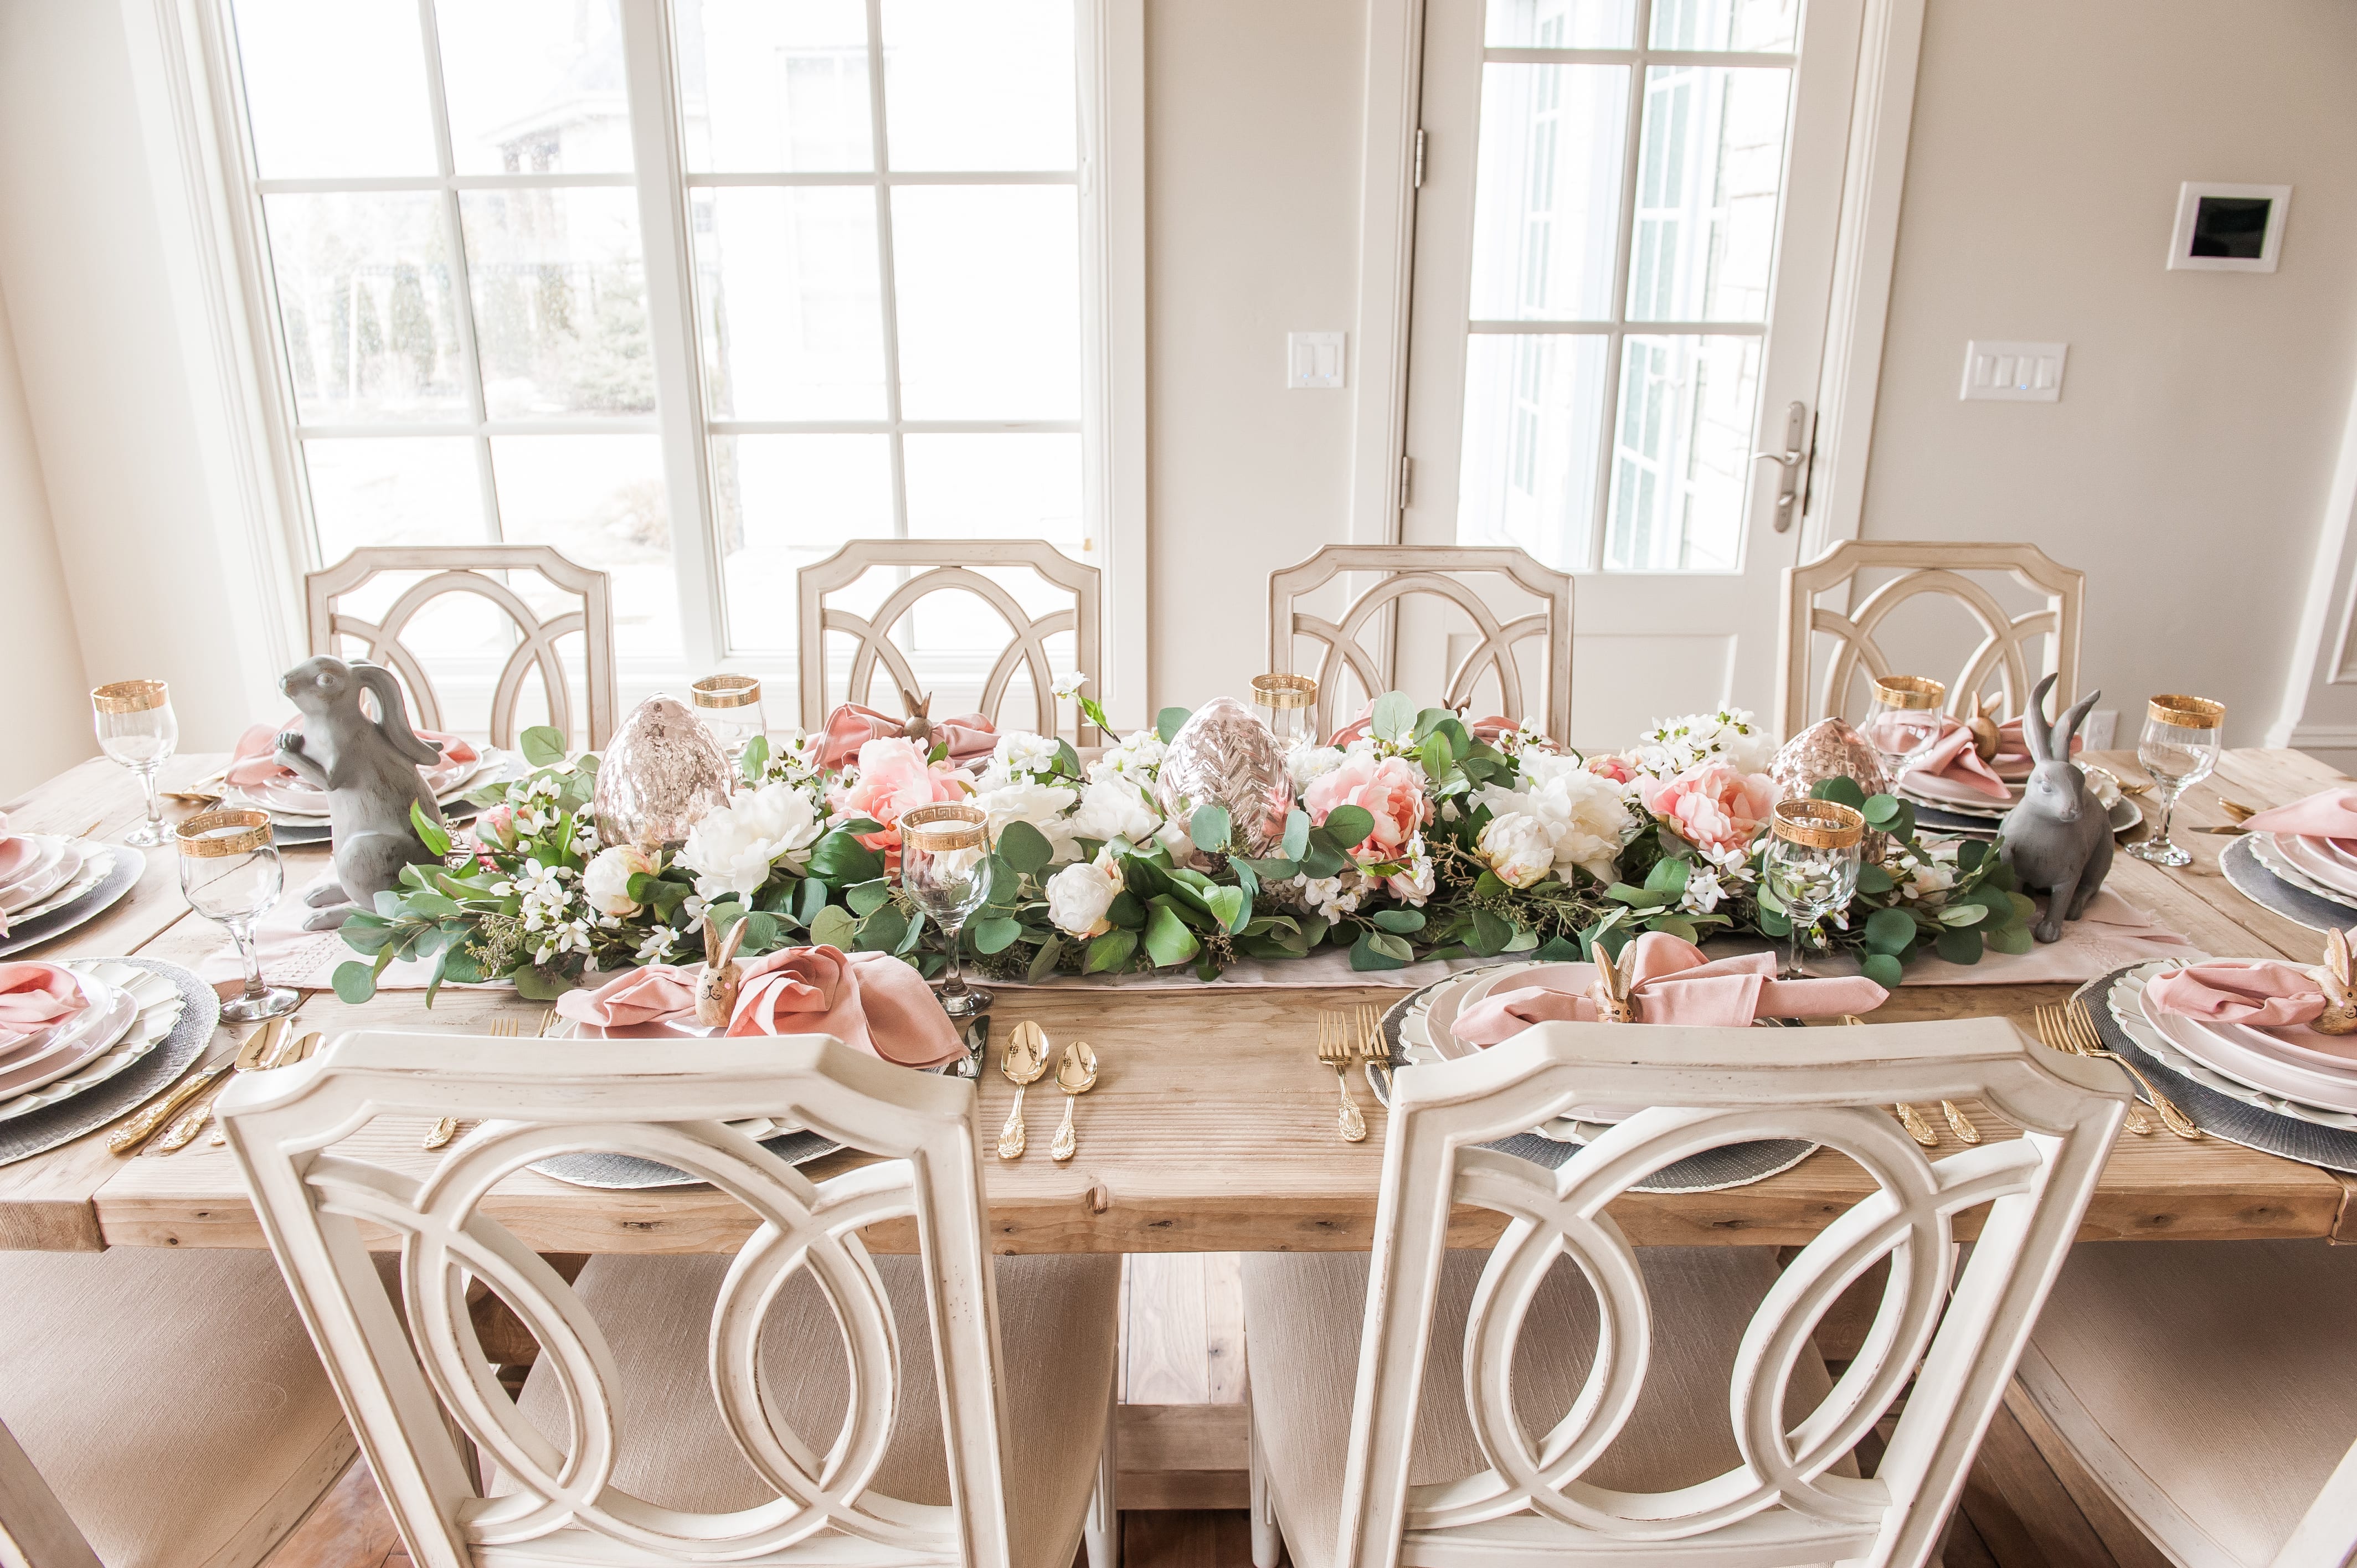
x=781, y=502
x=414, y=489
x=1560, y=24
x=980, y=87
x=1751, y=25
x=1546, y=198
x=1708, y=172
x=599, y=500
x=989, y=283
x=560, y=302
x=366, y=302
x=1534, y=408
x=534, y=86
x=1682, y=445
x=335, y=90
x=790, y=311
x=768, y=88
x=1022, y=486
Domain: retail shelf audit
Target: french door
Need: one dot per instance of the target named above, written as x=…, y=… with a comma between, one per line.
x=1624, y=248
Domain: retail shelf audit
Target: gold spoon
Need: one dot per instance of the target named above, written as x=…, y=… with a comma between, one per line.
x=1024, y=1063
x=1076, y=1074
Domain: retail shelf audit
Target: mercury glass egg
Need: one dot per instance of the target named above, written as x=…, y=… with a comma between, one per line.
x=1224, y=754
x=660, y=775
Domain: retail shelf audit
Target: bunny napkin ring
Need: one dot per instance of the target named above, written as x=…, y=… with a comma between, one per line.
x=2339, y=1015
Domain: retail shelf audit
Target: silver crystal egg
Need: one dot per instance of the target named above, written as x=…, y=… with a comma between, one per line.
x=660, y=775
x=1223, y=754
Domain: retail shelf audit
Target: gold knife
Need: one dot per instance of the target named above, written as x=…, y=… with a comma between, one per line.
x=141, y=1127
x=266, y=1048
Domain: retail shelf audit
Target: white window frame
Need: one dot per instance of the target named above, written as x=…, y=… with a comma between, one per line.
x=240, y=367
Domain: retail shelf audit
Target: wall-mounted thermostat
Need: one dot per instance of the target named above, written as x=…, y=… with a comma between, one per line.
x=2228, y=228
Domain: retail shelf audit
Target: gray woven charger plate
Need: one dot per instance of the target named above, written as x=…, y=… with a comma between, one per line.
x=2125, y=815
x=37, y=1132
x=297, y=836
x=627, y=1172
x=2219, y=1115
x=2264, y=887
x=120, y=878
x=1712, y=1170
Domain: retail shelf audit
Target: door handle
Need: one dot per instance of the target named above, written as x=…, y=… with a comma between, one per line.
x=1789, y=464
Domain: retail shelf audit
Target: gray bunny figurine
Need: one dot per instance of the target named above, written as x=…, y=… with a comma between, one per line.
x=2058, y=840
x=369, y=771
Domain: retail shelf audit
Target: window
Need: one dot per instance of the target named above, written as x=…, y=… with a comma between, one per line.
x=851, y=232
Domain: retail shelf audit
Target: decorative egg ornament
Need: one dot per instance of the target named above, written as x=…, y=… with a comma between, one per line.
x=1224, y=755
x=660, y=775
x=1827, y=750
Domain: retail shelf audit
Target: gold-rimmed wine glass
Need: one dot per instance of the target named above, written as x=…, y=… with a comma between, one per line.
x=1811, y=863
x=942, y=848
x=230, y=874
x=2178, y=748
x=136, y=728
x=1907, y=718
x=729, y=708
x=1283, y=702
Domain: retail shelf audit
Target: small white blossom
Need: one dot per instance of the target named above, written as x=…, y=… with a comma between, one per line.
x=1137, y=758
x=1703, y=890
x=1333, y=896
x=659, y=945
x=1731, y=735
x=1067, y=686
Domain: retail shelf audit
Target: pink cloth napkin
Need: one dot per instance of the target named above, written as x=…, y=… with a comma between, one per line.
x=2331, y=814
x=2262, y=993
x=1953, y=757
x=1671, y=982
x=1486, y=731
x=33, y=996
x=868, y=1000
x=252, y=763
x=971, y=737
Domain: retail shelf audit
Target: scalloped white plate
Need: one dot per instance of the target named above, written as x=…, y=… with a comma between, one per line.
x=160, y=1007
x=2126, y=1002
x=2269, y=854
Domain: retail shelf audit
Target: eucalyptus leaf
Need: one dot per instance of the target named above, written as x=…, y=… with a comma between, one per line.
x=842, y=859
x=1348, y=826
x=1405, y=922
x=1842, y=790
x=833, y=926
x=1890, y=931
x=994, y=934
x=1296, y=834
x=1043, y=962
x=1489, y=885
x=1394, y=716
x=1882, y=969
x=1365, y=955
x=1677, y=926
x=1111, y=953
x=542, y=746
x=355, y=983
x=1959, y=946
x=762, y=934
x=1229, y=906
x=1323, y=860
x=1872, y=879
x=2010, y=939
x=1964, y=915
x=1880, y=810
x=1208, y=826
x=869, y=897
x=1167, y=940
x=1025, y=848
x=1168, y=721
x=1490, y=933
x=810, y=897
x=431, y=833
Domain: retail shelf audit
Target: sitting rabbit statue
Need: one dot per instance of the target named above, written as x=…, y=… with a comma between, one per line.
x=369, y=771
x=2059, y=838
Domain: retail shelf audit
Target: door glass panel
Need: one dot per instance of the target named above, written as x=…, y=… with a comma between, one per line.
x=534, y=86
x=335, y=91
x=1546, y=205
x=1560, y=24
x=781, y=502
x=772, y=89
x=1709, y=171
x=560, y=302
x=1532, y=411
x=365, y=304
x=1681, y=445
x=1749, y=26
x=788, y=306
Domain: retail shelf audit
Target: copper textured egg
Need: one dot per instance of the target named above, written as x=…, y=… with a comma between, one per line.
x=660, y=775
x=1827, y=750
x=1224, y=754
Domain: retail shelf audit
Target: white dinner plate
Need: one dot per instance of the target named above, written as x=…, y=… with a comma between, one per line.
x=2268, y=849
x=158, y=1006
x=95, y=995
x=61, y=862
x=18, y=853
x=1427, y=1032
x=1938, y=790
x=2312, y=857
x=95, y=1028
x=2263, y=1059
x=97, y=860
x=2126, y=1002
x=34, y=879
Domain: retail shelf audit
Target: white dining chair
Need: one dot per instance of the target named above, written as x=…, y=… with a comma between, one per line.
x=489, y=573
x=159, y=1408
x=2209, y=1390
x=989, y=571
x=1682, y=1413
x=1960, y=572
x=1354, y=660
x=800, y=1401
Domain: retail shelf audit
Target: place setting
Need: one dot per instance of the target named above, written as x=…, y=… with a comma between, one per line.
x=84, y=1041
x=2299, y=860
x=1965, y=775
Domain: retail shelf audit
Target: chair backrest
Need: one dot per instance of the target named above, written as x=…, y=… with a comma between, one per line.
x=1782, y=1502
x=1938, y=568
x=314, y=1198
x=1358, y=641
x=952, y=566
x=481, y=571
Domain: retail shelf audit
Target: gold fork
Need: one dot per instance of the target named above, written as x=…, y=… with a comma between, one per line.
x=2055, y=1032
x=443, y=1131
x=2091, y=1044
x=1912, y=1119
x=1334, y=1050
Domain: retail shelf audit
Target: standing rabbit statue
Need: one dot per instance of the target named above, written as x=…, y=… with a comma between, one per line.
x=369, y=768
x=2059, y=838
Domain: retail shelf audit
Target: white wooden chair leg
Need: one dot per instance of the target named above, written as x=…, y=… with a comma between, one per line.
x=35, y=1530
x=1267, y=1543
x=1102, y=1533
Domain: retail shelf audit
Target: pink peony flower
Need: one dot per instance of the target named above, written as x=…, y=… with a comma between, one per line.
x=1392, y=789
x=1616, y=768
x=1712, y=805
x=894, y=777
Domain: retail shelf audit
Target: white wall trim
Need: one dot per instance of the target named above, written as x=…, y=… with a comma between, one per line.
x=1874, y=181
x=1386, y=265
x=2322, y=649
x=1113, y=196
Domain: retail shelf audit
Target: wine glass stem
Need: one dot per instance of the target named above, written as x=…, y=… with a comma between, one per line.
x=2168, y=809
x=955, y=984
x=242, y=934
x=154, y=801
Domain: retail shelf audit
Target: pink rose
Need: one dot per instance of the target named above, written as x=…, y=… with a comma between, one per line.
x=1391, y=790
x=1712, y=805
x=894, y=777
x=1616, y=768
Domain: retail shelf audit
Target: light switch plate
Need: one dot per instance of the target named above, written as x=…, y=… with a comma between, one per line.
x=2013, y=372
x=1313, y=360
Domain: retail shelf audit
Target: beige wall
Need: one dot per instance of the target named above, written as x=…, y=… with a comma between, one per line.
x=1251, y=132
x=47, y=722
x=2186, y=467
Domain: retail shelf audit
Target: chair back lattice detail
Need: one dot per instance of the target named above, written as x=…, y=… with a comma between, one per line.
x=469, y=569
x=1781, y=1503
x=1440, y=572
x=397, y=1387
x=953, y=565
x=1938, y=568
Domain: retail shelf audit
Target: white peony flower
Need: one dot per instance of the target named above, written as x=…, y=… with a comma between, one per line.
x=606, y=882
x=1584, y=815
x=1041, y=805
x=1113, y=807
x=1309, y=763
x=1079, y=895
x=1172, y=836
x=1517, y=847
x=732, y=850
x=1930, y=881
